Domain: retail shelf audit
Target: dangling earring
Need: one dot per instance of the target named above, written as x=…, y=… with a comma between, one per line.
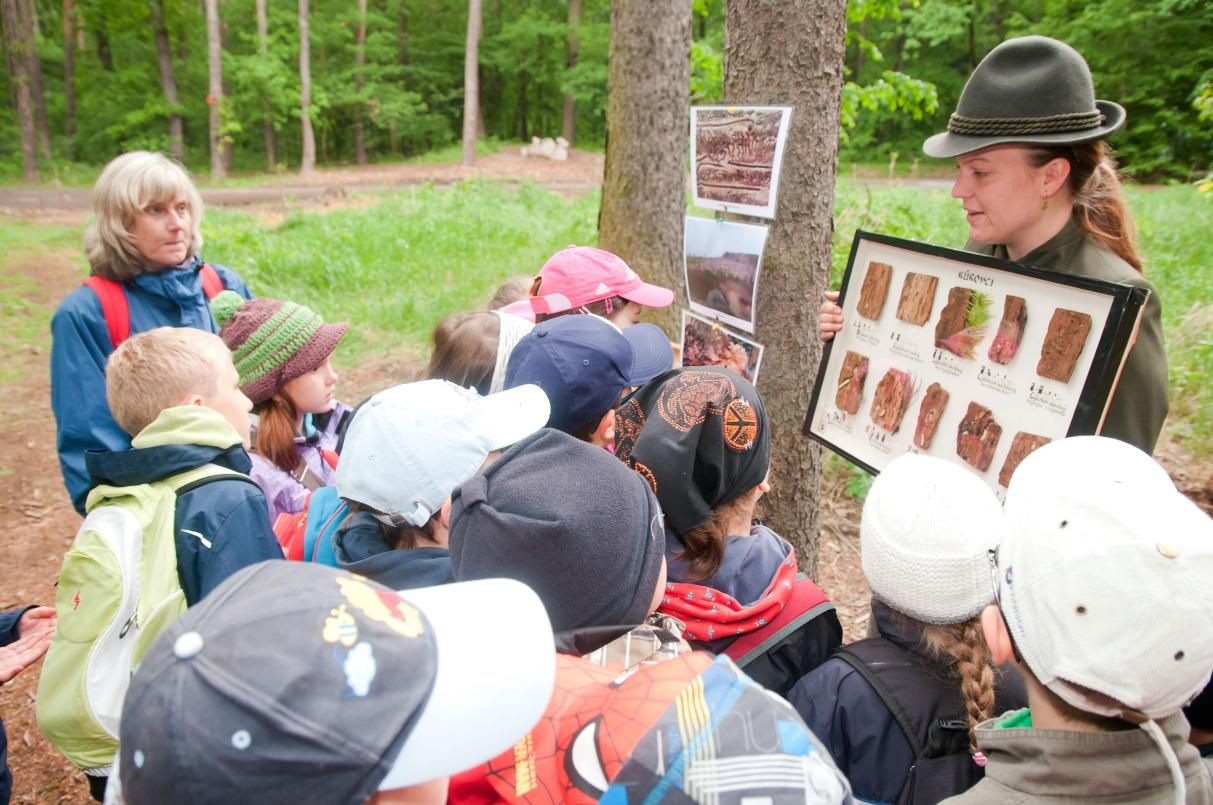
x=1044, y=205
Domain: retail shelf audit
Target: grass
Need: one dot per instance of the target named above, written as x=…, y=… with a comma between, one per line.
x=396, y=266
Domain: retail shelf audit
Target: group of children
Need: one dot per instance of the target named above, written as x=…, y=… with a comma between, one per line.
x=540, y=578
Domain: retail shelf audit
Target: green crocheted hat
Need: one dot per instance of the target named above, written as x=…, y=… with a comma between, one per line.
x=1031, y=90
x=272, y=342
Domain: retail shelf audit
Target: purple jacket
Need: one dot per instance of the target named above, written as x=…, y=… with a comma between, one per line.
x=285, y=495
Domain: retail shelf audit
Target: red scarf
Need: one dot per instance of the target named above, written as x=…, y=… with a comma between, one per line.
x=711, y=615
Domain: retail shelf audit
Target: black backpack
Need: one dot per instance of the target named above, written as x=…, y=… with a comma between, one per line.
x=931, y=713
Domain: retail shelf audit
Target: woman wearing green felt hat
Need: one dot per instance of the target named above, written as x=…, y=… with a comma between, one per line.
x=1039, y=187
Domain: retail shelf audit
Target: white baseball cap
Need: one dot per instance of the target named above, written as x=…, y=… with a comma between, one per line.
x=409, y=446
x=925, y=538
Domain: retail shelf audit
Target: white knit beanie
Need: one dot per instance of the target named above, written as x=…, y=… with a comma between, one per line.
x=925, y=539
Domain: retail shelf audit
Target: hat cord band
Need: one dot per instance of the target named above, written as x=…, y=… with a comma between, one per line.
x=1001, y=126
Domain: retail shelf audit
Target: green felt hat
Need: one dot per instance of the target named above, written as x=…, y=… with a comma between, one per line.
x=1027, y=90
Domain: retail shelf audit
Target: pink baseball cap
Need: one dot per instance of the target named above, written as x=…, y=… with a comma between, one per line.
x=580, y=275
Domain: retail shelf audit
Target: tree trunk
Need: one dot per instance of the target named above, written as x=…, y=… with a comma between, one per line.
x=214, y=97
x=644, y=182
x=28, y=31
x=308, y=162
x=16, y=48
x=104, y=54
x=792, y=53
x=267, y=115
x=471, y=84
x=402, y=35
x=568, y=125
x=69, y=71
x=168, y=81
x=359, y=81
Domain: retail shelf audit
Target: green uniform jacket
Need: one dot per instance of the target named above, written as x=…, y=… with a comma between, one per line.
x=1139, y=404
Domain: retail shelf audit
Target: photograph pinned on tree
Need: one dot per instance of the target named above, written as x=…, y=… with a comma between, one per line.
x=722, y=260
x=736, y=154
x=706, y=343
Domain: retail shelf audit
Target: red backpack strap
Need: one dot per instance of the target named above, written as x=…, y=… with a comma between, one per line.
x=212, y=286
x=114, y=308
x=806, y=602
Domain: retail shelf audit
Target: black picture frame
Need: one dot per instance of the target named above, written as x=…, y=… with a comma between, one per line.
x=1125, y=305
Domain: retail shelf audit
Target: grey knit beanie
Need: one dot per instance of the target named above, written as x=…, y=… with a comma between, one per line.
x=925, y=538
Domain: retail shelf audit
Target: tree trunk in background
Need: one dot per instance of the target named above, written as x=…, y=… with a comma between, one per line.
x=308, y=162
x=214, y=96
x=471, y=83
x=267, y=125
x=104, y=54
x=791, y=54
x=402, y=34
x=69, y=71
x=359, y=80
x=644, y=182
x=168, y=81
x=16, y=50
x=28, y=31
x=568, y=126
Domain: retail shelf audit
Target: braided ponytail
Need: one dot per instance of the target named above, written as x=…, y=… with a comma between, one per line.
x=964, y=645
x=1099, y=203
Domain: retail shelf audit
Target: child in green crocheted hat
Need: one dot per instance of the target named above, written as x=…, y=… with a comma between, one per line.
x=283, y=353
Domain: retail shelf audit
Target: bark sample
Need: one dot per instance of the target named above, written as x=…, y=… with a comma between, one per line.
x=952, y=319
x=929, y=414
x=471, y=84
x=648, y=106
x=1010, y=330
x=875, y=290
x=977, y=437
x=917, y=298
x=789, y=54
x=1021, y=446
x=1068, y=331
x=850, y=382
x=891, y=399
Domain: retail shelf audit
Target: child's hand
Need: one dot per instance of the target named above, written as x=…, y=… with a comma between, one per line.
x=37, y=627
x=831, y=316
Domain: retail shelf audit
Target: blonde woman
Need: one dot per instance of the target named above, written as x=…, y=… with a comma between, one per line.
x=146, y=272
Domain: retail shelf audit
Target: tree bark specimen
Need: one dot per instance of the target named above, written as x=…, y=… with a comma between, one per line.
x=1068, y=331
x=1021, y=447
x=977, y=437
x=644, y=182
x=1010, y=330
x=891, y=399
x=875, y=290
x=850, y=382
x=917, y=298
x=791, y=53
x=929, y=414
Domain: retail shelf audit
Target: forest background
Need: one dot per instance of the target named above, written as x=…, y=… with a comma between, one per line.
x=390, y=74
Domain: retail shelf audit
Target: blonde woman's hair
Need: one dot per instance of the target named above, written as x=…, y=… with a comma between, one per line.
x=151, y=371
x=127, y=186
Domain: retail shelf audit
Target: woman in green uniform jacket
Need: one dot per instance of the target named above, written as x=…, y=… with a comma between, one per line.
x=1040, y=188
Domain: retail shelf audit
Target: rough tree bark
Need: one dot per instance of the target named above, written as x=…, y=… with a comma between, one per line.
x=471, y=83
x=308, y=162
x=568, y=127
x=644, y=182
x=168, y=80
x=359, y=80
x=29, y=28
x=69, y=71
x=267, y=115
x=16, y=50
x=214, y=96
x=791, y=53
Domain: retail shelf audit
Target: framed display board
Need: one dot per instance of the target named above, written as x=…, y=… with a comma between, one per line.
x=966, y=357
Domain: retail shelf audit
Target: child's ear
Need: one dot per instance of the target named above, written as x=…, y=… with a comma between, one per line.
x=997, y=637
x=604, y=434
x=444, y=513
x=192, y=399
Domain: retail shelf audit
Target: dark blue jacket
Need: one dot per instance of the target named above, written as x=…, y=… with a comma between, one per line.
x=80, y=348
x=8, y=634
x=361, y=549
x=847, y=714
x=220, y=527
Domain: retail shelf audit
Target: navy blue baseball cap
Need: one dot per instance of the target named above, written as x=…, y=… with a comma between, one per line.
x=584, y=362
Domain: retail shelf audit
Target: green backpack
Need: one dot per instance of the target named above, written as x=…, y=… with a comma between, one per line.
x=117, y=591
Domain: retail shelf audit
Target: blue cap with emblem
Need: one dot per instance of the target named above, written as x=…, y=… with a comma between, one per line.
x=296, y=682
